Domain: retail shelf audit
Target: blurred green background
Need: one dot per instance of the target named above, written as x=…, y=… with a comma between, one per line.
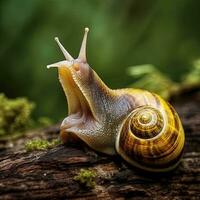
x=124, y=33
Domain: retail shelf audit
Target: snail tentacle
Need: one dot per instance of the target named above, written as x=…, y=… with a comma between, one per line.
x=139, y=125
x=82, y=53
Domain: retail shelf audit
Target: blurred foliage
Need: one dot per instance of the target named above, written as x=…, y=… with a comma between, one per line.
x=44, y=122
x=150, y=78
x=39, y=144
x=193, y=77
x=123, y=33
x=86, y=178
x=15, y=115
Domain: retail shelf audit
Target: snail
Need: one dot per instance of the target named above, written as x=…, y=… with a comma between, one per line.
x=140, y=126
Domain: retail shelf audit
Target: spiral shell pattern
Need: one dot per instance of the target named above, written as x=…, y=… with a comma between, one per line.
x=146, y=123
x=152, y=138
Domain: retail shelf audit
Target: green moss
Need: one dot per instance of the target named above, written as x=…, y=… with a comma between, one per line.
x=39, y=144
x=15, y=115
x=86, y=178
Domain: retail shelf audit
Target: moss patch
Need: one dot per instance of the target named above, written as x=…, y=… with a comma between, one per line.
x=86, y=178
x=15, y=115
x=39, y=144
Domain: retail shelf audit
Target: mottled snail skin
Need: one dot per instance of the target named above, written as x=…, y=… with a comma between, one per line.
x=136, y=124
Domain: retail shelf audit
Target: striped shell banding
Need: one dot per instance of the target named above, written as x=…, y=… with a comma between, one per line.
x=152, y=137
x=138, y=125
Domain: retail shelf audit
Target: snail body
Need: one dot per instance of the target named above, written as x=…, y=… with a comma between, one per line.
x=138, y=125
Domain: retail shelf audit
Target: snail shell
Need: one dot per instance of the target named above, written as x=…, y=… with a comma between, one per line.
x=151, y=138
x=138, y=125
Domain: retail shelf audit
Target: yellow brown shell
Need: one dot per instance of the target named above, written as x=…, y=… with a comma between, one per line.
x=138, y=125
x=152, y=136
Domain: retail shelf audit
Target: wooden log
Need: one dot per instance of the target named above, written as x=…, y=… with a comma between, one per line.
x=50, y=174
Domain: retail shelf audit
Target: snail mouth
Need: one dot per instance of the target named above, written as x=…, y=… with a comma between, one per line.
x=79, y=109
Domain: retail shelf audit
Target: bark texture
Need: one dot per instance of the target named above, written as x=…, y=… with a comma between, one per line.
x=50, y=174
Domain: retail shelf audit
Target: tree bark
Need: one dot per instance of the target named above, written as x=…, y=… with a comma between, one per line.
x=50, y=174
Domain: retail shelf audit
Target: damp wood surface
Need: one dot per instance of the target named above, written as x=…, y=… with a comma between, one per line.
x=50, y=174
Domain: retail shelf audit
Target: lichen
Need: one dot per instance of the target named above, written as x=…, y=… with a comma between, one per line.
x=86, y=178
x=39, y=144
x=15, y=115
